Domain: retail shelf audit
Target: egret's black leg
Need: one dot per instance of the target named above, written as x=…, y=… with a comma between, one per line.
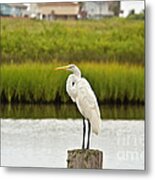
x=84, y=133
x=89, y=129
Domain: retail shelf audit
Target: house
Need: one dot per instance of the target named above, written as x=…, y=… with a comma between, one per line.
x=18, y=9
x=55, y=10
x=13, y=9
x=5, y=10
x=99, y=9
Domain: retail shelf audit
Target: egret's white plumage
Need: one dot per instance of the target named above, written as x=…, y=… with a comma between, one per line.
x=82, y=94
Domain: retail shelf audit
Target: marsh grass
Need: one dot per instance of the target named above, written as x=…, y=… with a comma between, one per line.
x=112, y=39
x=40, y=83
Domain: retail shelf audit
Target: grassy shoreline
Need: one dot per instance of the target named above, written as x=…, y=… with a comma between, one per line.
x=39, y=83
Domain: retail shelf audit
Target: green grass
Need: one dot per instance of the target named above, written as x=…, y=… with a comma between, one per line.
x=39, y=83
x=112, y=39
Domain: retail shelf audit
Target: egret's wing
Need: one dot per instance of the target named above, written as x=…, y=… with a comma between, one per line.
x=87, y=104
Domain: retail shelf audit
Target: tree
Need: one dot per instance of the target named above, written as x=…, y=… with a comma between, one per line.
x=115, y=7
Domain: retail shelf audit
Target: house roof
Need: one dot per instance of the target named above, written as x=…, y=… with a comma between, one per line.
x=58, y=4
x=18, y=5
x=59, y=8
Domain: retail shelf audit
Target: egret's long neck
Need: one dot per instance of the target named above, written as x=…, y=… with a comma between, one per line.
x=77, y=72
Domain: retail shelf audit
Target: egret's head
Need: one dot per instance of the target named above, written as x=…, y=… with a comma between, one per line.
x=71, y=67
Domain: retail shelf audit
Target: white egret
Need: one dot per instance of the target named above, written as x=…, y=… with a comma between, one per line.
x=82, y=94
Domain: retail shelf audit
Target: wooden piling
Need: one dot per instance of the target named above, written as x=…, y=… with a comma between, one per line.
x=85, y=159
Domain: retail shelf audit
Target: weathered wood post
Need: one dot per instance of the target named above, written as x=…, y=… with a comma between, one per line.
x=85, y=159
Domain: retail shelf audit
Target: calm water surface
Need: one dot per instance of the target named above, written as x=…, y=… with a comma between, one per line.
x=44, y=143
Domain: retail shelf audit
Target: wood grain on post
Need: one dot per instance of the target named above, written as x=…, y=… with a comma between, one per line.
x=85, y=159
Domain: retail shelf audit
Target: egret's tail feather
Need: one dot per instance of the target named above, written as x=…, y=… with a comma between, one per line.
x=96, y=123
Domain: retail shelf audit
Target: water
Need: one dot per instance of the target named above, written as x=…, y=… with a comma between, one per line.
x=65, y=111
x=44, y=143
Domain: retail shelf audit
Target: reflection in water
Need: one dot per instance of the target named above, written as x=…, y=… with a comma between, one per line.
x=69, y=111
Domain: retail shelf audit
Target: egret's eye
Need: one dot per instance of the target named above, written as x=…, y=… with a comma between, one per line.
x=71, y=67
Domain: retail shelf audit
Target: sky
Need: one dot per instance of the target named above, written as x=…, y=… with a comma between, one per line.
x=126, y=6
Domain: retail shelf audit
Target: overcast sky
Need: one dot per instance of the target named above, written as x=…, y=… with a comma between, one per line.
x=126, y=6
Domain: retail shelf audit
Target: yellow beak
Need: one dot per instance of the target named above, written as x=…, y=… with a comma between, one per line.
x=62, y=68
